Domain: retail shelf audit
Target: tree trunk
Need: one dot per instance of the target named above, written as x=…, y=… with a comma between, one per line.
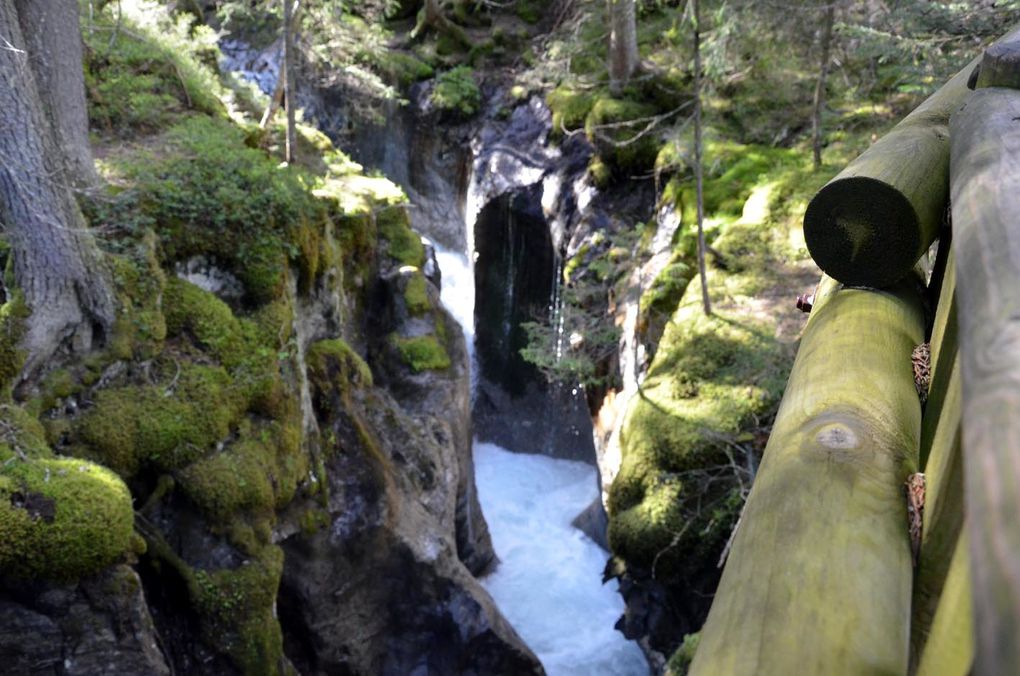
x=698, y=164
x=290, y=83
x=870, y=224
x=985, y=180
x=56, y=263
x=623, y=52
x=818, y=579
x=823, y=72
x=53, y=41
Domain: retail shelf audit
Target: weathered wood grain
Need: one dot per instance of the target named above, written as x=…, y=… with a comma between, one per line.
x=985, y=178
x=819, y=577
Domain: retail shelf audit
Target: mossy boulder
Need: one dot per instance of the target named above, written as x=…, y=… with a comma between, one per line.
x=711, y=380
x=61, y=518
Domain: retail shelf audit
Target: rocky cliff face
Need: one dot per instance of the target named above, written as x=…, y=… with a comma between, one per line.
x=296, y=509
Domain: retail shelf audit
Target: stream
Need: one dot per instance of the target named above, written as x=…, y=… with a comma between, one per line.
x=548, y=582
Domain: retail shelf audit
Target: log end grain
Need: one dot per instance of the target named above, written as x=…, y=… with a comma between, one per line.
x=862, y=232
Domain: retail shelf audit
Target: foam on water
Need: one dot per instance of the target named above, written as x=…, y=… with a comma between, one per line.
x=548, y=583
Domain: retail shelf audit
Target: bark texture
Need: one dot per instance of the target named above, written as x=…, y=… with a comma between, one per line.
x=623, y=52
x=985, y=178
x=818, y=579
x=56, y=263
x=53, y=43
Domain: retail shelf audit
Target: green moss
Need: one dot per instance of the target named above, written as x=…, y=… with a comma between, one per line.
x=236, y=607
x=712, y=378
x=600, y=172
x=457, y=92
x=616, y=144
x=401, y=68
x=61, y=518
x=422, y=353
x=569, y=108
x=314, y=520
x=416, y=296
x=166, y=426
x=255, y=474
x=213, y=196
x=403, y=245
x=205, y=317
x=334, y=362
x=13, y=314
x=143, y=79
x=667, y=289
x=680, y=661
x=530, y=11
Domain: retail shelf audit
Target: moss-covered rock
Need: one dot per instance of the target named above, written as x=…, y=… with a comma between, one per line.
x=712, y=379
x=569, y=108
x=402, y=244
x=60, y=518
x=236, y=609
x=416, y=294
x=422, y=353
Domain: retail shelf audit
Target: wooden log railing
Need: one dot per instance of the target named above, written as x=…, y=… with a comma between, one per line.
x=985, y=181
x=870, y=224
x=818, y=580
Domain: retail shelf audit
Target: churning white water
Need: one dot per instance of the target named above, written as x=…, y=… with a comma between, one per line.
x=549, y=580
x=548, y=583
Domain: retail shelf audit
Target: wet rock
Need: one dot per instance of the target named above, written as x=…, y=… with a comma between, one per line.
x=96, y=626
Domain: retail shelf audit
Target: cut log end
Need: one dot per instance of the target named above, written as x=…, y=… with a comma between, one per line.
x=862, y=232
x=1000, y=66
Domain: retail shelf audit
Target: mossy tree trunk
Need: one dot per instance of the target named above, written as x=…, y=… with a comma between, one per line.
x=56, y=262
x=985, y=179
x=818, y=578
x=623, y=51
x=870, y=224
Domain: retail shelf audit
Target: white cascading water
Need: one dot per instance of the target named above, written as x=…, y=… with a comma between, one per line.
x=549, y=580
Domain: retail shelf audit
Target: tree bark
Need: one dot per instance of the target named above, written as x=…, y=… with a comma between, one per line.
x=985, y=180
x=53, y=42
x=623, y=51
x=56, y=263
x=823, y=72
x=698, y=164
x=818, y=579
x=290, y=88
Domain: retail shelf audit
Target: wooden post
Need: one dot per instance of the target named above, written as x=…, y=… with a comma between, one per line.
x=869, y=225
x=950, y=650
x=818, y=579
x=985, y=179
x=1000, y=66
x=942, y=463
